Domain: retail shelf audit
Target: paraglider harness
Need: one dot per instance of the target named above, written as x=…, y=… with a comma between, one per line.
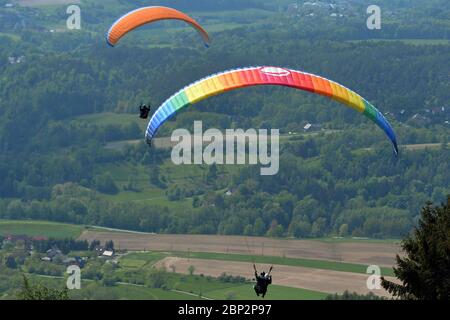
x=144, y=110
x=262, y=281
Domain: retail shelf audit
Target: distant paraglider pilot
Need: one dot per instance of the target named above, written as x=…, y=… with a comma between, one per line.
x=144, y=110
x=262, y=282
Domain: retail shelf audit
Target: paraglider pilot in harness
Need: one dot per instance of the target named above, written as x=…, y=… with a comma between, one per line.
x=262, y=282
x=144, y=110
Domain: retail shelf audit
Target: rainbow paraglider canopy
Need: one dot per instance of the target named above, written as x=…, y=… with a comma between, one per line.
x=255, y=76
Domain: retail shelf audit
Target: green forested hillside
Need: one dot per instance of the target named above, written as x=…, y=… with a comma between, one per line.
x=70, y=95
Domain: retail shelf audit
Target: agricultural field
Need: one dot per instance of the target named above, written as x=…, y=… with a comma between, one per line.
x=309, y=274
x=295, y=262
x=141, y=259
x=305, y=269
x=353, y=251
x=312, y=277
x=40, y=228
x=295, y=277
x=206, y=285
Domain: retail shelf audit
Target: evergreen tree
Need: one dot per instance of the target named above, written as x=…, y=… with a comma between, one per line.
x=425, y=270
x=109, y=245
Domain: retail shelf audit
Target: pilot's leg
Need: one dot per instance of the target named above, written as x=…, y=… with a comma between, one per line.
x=256, y=288
x=264, y=293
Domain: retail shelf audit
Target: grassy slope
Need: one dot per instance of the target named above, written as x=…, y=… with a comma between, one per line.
x=109, y=118
x=215, y=289
x=245, y=292
x=148, y=194
x=185, y=288
x=219, y=290
x=131, y=292
x=119, y=291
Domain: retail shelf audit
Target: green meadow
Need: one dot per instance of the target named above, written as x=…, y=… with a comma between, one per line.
x=40, y=228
